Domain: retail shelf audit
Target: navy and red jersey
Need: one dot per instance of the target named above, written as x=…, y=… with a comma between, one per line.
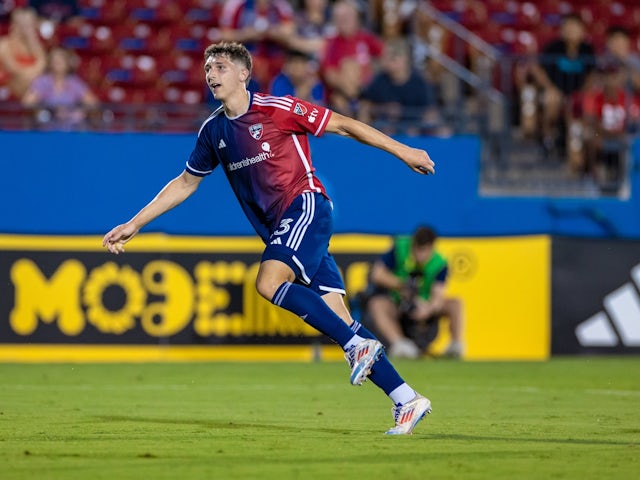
x=264, y=153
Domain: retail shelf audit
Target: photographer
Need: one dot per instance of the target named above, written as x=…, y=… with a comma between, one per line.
x=409, y=297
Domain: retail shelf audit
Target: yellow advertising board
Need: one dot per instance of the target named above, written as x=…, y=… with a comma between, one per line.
x=193, y=298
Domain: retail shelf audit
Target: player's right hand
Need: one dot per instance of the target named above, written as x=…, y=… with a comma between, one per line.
x=419, y=161
x=118, y=236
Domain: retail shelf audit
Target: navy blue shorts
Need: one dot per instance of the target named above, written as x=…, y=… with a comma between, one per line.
x=302, y=242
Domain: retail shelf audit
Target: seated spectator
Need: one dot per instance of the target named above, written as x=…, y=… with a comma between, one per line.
x=299, y=78
x=408, y=297
x=610, y=113
x=563, y=68
x=313, y=27
x=427, y=37
x=60, y=98
x=618, y=49
x=264, y=27
x=399, y=100
x=22, y=55
x=347, y=66
x=391, y=19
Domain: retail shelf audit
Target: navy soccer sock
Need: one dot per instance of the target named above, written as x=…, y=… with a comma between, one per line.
x=313, y=310
x=383, y=374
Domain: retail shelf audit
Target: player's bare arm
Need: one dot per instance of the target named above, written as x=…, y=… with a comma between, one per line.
x=174, y=193
x=416, y=159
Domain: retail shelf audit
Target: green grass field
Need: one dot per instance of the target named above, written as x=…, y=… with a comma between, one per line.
x=566, y=418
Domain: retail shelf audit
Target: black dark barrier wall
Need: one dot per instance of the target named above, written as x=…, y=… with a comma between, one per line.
x=595, y=296
x=145, y=298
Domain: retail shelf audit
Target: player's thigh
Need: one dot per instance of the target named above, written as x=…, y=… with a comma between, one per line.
x=302, y=238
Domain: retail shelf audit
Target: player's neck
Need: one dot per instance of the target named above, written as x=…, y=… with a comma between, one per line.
x=237, y=105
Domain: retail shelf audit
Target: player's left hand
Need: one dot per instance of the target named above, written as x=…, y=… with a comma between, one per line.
x=118, y=236
x=419, y=161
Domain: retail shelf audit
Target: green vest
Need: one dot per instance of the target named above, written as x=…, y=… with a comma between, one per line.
x=405, y=264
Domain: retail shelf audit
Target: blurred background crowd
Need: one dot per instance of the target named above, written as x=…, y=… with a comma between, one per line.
x=552, y=87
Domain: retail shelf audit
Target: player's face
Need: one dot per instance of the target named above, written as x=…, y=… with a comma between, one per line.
x=422, y=253
x=224, y=77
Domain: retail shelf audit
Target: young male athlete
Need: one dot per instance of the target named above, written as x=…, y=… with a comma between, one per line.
x=261, y=143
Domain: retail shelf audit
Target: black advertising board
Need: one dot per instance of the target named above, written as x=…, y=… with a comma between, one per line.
x=595, y=296
x=190, y=295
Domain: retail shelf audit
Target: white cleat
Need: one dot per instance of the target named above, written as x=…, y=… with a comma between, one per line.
x=361, y=358
x=408, y=415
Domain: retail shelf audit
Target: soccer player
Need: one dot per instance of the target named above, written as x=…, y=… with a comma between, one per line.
x=261, y=143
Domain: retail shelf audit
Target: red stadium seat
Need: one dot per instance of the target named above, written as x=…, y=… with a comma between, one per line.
x=190, y=96
x=143, y=38
x=134, y=71
x=528, y=16
x=154, y=11
x=190, y=39
x=104, y=12
x=89, y=39
x=205, y=12
x=181, y=70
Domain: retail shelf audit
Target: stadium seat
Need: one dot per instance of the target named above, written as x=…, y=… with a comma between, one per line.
x=88, y=39
x=143, y=38
x=103, y=12
x=205, y=12
x=180, y=70
x=162, y=12
x=190, y=96
x=189, y=39
x=527, y=17
x=134, y=72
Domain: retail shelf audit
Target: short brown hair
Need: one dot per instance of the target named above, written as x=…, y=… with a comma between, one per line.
x=423, y=236
x=236, y=52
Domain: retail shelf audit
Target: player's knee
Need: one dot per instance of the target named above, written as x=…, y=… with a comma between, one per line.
x=271, y=275
x=265, y=288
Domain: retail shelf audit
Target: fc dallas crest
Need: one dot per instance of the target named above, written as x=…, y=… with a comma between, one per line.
x=256, y=131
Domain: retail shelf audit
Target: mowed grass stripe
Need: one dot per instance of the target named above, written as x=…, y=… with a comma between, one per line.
x=566, y=418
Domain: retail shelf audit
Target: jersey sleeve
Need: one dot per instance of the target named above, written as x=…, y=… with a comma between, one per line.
x=389, y=259
x=203, y=159
x=442, y=274
x=302, y=117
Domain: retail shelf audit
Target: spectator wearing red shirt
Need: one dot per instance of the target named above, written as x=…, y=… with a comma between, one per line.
x=264, y=27
x=610, y=113
x=347, y=66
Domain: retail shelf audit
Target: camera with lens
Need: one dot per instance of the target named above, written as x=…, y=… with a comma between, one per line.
x=410, y=291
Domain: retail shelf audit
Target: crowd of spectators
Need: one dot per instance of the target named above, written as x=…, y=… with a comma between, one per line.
x=582, y=100
x=144, y=52
x=575, y=80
